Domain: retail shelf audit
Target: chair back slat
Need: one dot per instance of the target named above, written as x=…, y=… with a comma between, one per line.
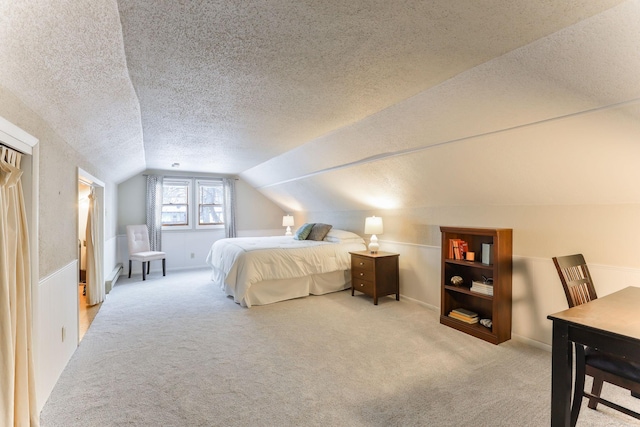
x=575, y=278
x=580, y=294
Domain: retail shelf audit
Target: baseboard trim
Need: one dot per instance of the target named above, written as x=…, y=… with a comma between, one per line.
x=112, y=278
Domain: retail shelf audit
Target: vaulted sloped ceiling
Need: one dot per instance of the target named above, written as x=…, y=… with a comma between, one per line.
x=225, y=86
x=333, y=105
x=65, y=61
x=554, y=122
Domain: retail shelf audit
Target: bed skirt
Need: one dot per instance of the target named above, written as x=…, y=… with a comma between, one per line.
x=270, y=291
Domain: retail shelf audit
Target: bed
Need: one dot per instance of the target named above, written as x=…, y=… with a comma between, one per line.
x=264, y=270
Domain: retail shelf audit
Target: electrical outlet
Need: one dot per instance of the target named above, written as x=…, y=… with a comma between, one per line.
x=193, y=255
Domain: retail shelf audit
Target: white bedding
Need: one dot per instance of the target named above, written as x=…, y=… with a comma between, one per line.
x=240, y=263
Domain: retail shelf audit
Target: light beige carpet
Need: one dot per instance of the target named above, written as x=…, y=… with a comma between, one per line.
x=175, y=351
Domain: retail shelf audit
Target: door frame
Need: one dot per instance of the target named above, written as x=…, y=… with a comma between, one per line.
x=99, y=187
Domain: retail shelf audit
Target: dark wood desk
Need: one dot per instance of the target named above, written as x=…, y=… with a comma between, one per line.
x=610, y=323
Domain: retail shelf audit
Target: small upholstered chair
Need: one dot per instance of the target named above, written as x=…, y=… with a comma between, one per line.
x=139, y=249
x=578, y=288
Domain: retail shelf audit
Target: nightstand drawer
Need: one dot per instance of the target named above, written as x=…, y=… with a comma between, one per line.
x=361, y=263
x=359, y=274
x=364, y=286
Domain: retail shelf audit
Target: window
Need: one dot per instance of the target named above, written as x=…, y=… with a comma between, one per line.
x=192, y=203
x=175, y=203
x=210, y=203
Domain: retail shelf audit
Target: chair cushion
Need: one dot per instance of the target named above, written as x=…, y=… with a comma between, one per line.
x=605, y=362
x=138, y=238
x=147, y=256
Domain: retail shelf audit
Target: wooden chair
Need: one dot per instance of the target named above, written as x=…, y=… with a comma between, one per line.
x=579, y=289
x=139, y=249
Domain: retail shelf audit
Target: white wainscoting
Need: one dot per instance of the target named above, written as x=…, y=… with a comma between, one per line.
x=184, y=250
x=537, y=291
x=110, y=256
x=56, y=336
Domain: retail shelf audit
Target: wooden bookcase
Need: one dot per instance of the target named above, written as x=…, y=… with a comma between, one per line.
x=497, y=308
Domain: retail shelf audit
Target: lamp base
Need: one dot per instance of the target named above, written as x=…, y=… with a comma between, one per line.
x=288, y=232
x=373, y=244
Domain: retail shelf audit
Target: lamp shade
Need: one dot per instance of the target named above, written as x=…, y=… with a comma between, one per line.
x=287, y=221
x=373, y=225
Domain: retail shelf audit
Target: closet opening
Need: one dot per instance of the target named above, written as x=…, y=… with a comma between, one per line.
x=90, y=242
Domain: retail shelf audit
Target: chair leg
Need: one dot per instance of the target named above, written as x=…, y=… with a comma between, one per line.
x=596, y=389
x=164, y=267
x=144, y=276
x=578, y=387
x=148, y=266
x=129, y=269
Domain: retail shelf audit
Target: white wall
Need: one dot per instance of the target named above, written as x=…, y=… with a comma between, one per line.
x=606, y=235
x=55, y=266
x=256, y=216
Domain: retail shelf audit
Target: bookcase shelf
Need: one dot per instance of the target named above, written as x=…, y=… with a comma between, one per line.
x=465, y=290
x=473, y=264
x=496, y=307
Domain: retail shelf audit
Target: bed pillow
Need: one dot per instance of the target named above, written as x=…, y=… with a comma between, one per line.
x=319, y=231
x=303, y=231
x=342, y=236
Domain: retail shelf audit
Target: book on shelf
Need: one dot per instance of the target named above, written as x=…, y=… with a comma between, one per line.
x=464, y=319
x=464, y=315
x=482, y=288
x=458, y=248
x=464, y=312
x=487, y=253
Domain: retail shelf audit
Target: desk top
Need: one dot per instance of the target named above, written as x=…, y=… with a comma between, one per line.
x=616, y=313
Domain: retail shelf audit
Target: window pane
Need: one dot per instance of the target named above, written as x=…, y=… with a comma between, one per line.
x=174, y=215
x=211, y=194
x=175, y=194
x=211, y=215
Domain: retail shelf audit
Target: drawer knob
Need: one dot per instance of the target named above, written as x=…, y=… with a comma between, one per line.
x=362, y=274
x=361, y=284
x=362, y=263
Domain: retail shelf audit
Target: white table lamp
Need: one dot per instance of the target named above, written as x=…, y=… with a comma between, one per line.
x=287, y=221
x=373, y=226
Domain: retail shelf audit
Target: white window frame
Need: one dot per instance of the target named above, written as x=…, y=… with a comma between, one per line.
x=190, y=199
x=193, y=204
x=196, y=203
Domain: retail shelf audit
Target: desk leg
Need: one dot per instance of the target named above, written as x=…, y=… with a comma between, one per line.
x=561, y=367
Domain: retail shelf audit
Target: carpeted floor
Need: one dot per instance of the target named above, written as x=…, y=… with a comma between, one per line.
x=175, y=351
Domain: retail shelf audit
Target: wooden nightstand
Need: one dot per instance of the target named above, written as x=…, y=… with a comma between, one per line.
x=375, y=275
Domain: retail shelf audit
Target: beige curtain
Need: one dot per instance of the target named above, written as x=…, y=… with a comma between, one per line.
x=95, y=270
x=17, y=384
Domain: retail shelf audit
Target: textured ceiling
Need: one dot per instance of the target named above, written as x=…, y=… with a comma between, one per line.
x=224, y=86
x=556, y=121
x=65, y=61
x=284, y=92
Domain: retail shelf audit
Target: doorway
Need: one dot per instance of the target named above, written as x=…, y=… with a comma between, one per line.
x=90, y=259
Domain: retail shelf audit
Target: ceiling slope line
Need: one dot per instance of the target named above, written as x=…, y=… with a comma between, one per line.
x=133, y=88
x=383, y=156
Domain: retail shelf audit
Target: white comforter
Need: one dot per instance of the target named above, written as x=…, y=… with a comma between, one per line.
x=244, y=261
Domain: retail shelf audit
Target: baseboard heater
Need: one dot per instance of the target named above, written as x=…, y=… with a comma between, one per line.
x=112, y=278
